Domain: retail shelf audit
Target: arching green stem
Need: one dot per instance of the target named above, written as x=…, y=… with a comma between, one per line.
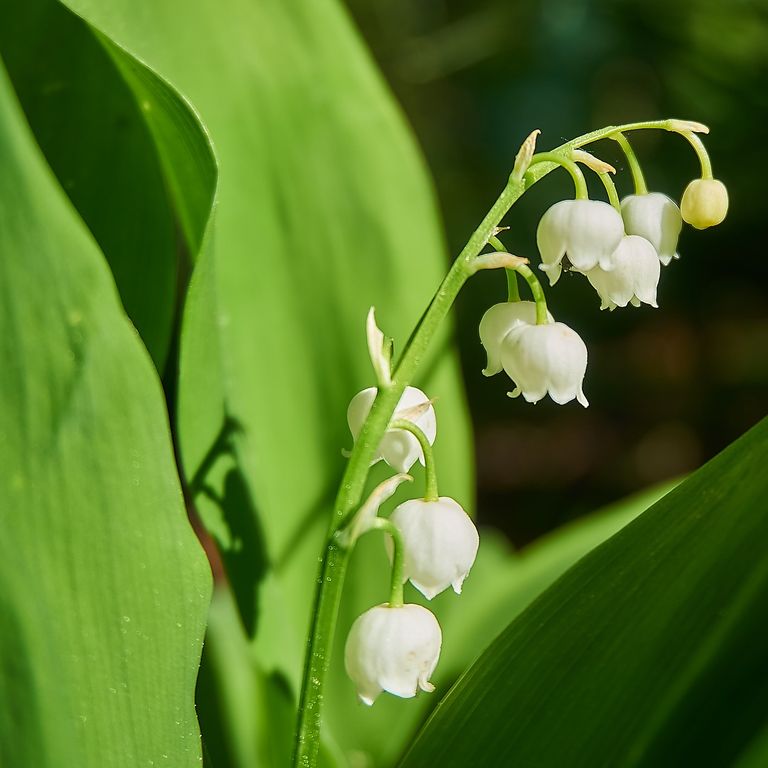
x=333, y=569
x=398, y=559
x=430, y=493
x=513, y=290
x=701, y=153
x=538, y=294
x=610, y=188
x=579, y=182
x=634, y=165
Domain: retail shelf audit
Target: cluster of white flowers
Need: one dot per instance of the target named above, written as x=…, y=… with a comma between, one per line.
x=621, y=254
x=620, y=248
x=395, y=648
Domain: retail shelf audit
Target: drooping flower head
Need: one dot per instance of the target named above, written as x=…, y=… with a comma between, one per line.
x=393, y=649
x=704, y=203
x=633, y=277
x=440, y=544
x=655, y=217
x=398, y=448
x=497, y=322
x=545, y=359
x=587, y=231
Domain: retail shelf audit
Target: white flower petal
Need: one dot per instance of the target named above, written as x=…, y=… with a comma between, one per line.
x=546, y=359
x=497, y=322
x=587, y=231
x=358, y=409
x=440, y=542
x=426, y=420
x=655, y=217
x=400, y=449
x=392, y=649
x=634, y=275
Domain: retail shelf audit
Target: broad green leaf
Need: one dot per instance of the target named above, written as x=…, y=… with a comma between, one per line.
x=90, y=128
x=322, y=209
x=502, y=584
x=649, y=652
x=104, y=586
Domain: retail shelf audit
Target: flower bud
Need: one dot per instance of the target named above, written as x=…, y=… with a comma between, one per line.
x=440, y=544
x=497, y=322
x=393, y=649
x=545, y=359
x=588, y=231
x=655, y=217
x=633, y=277
x=398, y=448
x=704, y=203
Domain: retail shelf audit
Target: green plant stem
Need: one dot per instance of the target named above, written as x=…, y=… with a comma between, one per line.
x=496, y=244
x=513, y=290
x=430, y=469
x=330, y=584
x=610, y=188
x=564, y=160
x=334, y=564
x=398, y=559
x=701, y=153
x=538, y=294
x=333, y=569
x=634, y=164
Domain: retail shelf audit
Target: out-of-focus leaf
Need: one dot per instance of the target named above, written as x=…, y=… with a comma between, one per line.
x=90, y=128
x=322, y=209
x=756, y=754
x=502, y=584
x=247, y=716
x=104, y=586
x=649, y=652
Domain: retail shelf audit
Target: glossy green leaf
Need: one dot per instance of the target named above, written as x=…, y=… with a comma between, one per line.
x=103, y=585
x=322, y=209
x=649, y=652
x=92, y=132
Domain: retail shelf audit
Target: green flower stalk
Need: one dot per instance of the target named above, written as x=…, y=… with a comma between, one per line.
x=395, y=646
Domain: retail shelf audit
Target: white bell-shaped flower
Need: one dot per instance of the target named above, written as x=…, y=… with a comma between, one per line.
x=440, y=544
x=497, y=322
x=545, y=359
x=587, y=231
x=633, y=277
x=393, y=649
x=655, y=217
x=398, y=448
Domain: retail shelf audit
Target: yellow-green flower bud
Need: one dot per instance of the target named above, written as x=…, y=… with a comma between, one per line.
x=704, y=203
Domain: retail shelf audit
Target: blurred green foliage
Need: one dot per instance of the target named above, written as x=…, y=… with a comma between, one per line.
x=670, y=387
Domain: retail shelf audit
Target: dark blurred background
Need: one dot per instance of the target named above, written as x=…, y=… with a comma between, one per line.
x=668, y=388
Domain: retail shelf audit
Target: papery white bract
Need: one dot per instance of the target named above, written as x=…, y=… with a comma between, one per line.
x=588, y=231
x=440, y=544
x=633, y=277
x=393, y=649
x=704, y=203
x=497, y=322
x=398, y=448
x=655, y=217
x=545, y=359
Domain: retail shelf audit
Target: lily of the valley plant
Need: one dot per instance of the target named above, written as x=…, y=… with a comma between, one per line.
x=622, y=249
